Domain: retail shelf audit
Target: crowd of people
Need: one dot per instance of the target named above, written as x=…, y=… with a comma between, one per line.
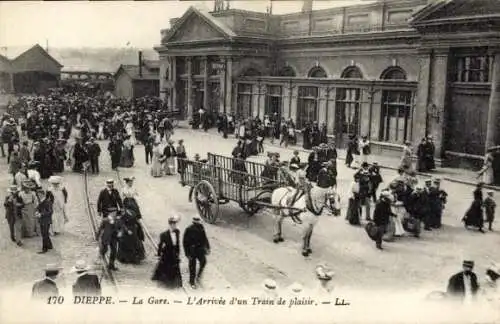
x=47, y=134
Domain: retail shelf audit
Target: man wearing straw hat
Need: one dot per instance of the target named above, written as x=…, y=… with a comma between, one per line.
x=13, y=205
x=87, y=283
x=196, y=247
x=47, y=287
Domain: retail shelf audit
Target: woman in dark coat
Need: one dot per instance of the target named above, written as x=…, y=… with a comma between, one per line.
x=130, y=242
x=307, y=137
x=474, y=215
x=168, y=272
x=314, y=165
x=352, y=148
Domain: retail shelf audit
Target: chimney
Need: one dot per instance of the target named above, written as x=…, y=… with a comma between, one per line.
x=307, y=6
x=140, y=64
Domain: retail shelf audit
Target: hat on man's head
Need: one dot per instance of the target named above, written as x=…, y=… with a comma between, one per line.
x=28, y=184
x=110, y=181
x=52, y=269
x=55, y=179
x=296, y=287
x=468, y=264
x=13, y=189
x=196, y=219
x=173, y=219
x=270, y=284
x=128, y=179
x=324, y=273
x=428, y=181
x=436, y=180
x=80, y=266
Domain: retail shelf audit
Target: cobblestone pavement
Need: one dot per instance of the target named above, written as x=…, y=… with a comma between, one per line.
x=243, y=254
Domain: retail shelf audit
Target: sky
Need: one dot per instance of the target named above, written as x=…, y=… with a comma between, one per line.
x=111, y=23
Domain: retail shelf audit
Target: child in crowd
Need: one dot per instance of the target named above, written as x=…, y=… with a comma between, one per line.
x=489, y=208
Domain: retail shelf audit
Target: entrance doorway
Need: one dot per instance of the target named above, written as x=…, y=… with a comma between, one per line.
x=347, y=113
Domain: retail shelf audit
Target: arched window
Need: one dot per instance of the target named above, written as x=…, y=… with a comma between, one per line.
x=317, y=72
x=287, y=71
x=352, y=72
x=393, y=73
x=396, y=110
x=250, y=72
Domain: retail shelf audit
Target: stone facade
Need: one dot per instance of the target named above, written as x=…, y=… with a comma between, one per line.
x=395, y=71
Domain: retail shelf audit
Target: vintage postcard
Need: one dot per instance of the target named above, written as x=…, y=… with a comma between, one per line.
x=306, y=161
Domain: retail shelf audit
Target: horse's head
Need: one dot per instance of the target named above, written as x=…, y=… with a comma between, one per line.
x=333, y=199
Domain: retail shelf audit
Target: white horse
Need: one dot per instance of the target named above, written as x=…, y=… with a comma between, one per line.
x=309, y=206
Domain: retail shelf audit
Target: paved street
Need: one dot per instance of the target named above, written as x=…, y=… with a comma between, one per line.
x=243, y=254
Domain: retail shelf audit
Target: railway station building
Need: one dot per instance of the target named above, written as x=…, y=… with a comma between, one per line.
x=393, y=70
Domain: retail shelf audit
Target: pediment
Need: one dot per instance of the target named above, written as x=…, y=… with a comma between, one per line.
x=452, y=10
x=195, y=28
x=196, y=25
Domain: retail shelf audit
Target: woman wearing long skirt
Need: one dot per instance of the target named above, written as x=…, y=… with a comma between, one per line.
x=181, y=154
x=129, y=194
x=354, y=206
x=156, y=167
x=130, y=242
x=168, y=272
x=474, y=215
x=59, y=216
x=30, y=201
x=127, y=155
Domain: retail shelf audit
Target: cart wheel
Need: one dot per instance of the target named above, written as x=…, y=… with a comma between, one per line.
x=206, y=201
x=251, y=207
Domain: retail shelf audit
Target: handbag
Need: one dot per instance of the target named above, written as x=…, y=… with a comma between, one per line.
x=371, y=229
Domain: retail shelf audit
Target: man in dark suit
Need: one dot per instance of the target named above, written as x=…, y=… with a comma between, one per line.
x=168, y=271
x=196, y=247
x=47, y=287
x=109, y=200
x=149, y=141
x=464, y=284
x=94, y=151
x=381, y=216
x=87, y=284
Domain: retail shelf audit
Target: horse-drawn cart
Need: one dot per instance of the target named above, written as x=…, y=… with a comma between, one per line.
x=222, y=179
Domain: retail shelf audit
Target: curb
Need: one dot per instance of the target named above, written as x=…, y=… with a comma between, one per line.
x=388, y=167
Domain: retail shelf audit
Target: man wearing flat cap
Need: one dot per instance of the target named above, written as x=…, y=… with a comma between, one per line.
x=47, y=287
x=464, y=285
x=196, y=247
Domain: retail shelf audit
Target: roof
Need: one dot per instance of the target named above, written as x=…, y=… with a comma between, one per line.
x=152, y=64
x=446, y=10
x=40, y=49
x=206, y=16
x=133, y=72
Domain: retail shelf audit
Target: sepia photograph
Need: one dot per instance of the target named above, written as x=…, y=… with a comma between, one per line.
x=259, y=161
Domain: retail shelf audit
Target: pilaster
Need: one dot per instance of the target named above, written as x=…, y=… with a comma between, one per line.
x=206, y=94
x=493, y=126
x=173, y=78
x=229, y=83
x=420, y=118
x=330, y=110
x=189, y=87
x=364, y=113
x=322, y=92
x=437, y=93
x=293, y=110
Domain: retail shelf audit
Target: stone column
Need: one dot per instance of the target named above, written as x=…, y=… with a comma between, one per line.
x=229, y=84
x=420, y=122
x=493, y=126
x=438, y=90
x=322, y=97
x=206, y=63
x=189, y=88
x=330, y=110
x=173, y=79
x=364, y=112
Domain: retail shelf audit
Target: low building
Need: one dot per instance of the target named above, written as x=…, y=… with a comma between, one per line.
x=132, y=81
x=394, y=70
x=35, y=71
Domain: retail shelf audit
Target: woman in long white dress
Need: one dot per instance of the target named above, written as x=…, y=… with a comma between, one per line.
x=129, y=128
x=156, y=167
x=59, y=216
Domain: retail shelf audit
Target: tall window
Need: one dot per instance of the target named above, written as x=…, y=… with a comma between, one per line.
x=244, y=100
x=472, y=69
x=348, y=110
x=196, y=66
x=395, y=123
x=273, y=100
x=181, y=66
x=307, y=106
